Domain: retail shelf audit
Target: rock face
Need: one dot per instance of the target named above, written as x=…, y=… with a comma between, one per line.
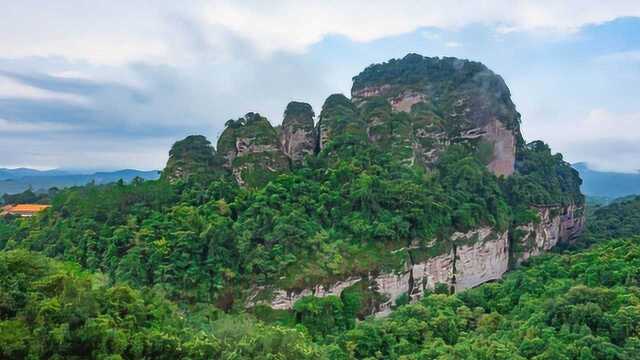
x=503, y=143
x=482, y=255
x=250, y=148
x=191, y=157
x=557, y=224
x=283, y=299
x=448, y=100
x=297, y=136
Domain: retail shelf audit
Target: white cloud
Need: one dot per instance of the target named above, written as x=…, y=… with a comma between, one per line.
x=118, y=31
x=601, y=124
x=293, y=26
x=452, y=44
x=605, y=139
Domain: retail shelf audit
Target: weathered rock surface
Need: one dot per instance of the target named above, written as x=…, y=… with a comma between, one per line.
x=556, y=225
x=449, y=100
x=297, y=136
x=416, y=280
x=484, y=257
x=503, y=142
x=283, y=299
x=250, y=148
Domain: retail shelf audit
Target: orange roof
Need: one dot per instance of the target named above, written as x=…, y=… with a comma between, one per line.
x=27, y=208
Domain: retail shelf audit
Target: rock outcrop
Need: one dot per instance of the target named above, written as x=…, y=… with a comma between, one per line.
x=191, y=157
x=449, y=100
x=250, y=149
x=297, y=135
x=483, y=257
x=556, y=224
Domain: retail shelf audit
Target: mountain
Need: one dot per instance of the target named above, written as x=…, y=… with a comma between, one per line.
x=420, y=180
x=14, y=181
x=8, y=174
x=607, y=184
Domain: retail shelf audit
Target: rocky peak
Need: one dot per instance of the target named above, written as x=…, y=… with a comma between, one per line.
x=250, y=148
x=297, y=135
x=449, y=100
x=191, y=157
x=339, y=117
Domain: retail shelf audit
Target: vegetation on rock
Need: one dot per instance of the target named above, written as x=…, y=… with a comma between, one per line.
x=192, y=157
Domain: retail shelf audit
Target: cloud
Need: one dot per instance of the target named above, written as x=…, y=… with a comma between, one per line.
x=288, y=25
x=63, y=150
x=605, y=139
x=118, y=32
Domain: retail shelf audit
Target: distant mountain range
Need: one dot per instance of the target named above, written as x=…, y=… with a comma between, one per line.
x=13, y=181
x=605, y=184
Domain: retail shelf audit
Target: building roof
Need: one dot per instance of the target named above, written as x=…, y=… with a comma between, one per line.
x=23, y=208
x=29, y=207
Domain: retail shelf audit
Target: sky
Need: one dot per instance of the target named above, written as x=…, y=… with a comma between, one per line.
x=112, y=84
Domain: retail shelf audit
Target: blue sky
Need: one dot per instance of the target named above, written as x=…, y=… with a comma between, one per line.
x=112, y=84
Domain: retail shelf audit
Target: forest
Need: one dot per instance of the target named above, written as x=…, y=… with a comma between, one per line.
x=578, y=304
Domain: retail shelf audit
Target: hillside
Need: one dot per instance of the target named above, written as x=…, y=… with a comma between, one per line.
x=420, y=180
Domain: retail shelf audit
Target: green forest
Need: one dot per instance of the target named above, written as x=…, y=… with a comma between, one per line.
x=579, y=304
x=204, y=241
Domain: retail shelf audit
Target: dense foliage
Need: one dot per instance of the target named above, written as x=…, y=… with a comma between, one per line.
x=28, y=197
x=619, y=219
x=461, y=92
x=584, y=305
x=53, y=310
x=307, y=226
